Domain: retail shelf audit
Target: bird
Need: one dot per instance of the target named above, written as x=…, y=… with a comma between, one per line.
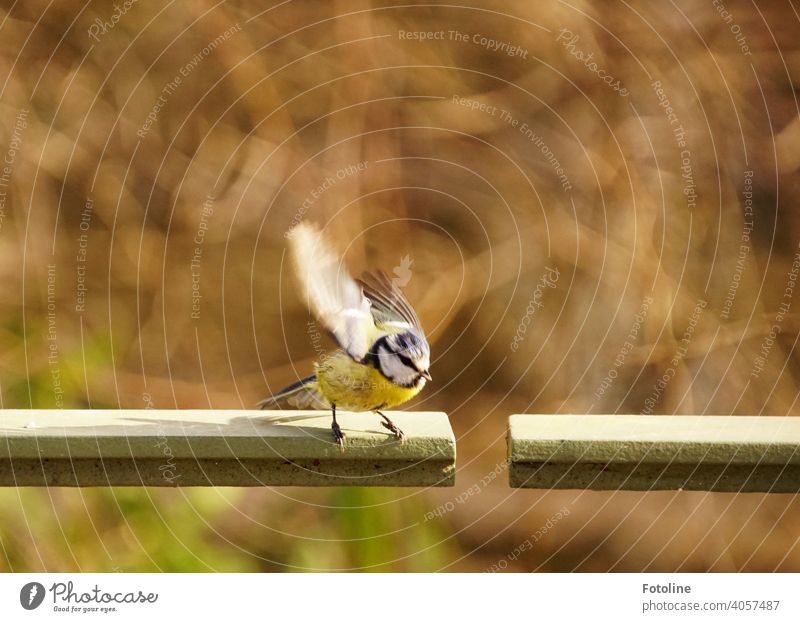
x=383, y=356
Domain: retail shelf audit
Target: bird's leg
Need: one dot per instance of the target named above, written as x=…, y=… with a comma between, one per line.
x=389, y=425
x=338, y=435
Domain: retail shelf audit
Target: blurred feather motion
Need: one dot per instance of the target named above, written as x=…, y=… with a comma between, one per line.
x=383, y=358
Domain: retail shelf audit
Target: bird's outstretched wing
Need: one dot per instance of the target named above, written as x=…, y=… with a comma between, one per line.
x=388, y=304
x=333, y=296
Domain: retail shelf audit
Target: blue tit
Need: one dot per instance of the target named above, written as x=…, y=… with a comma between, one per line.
x=383, y=356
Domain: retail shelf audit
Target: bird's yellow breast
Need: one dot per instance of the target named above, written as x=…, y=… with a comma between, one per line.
x=357, y=387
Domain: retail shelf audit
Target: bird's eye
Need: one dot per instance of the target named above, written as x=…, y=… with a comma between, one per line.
x=407, y=362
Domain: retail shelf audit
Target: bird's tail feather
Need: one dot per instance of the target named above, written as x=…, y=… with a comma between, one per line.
x=302, y=395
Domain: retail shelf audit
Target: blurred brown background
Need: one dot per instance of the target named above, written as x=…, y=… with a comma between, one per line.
x=155, y=156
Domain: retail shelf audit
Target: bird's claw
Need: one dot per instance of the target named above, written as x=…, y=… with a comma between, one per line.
x=338, y=435
x=398, y=433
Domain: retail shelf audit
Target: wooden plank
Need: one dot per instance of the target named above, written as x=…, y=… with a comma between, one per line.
x=221, y=448
x=645, y=452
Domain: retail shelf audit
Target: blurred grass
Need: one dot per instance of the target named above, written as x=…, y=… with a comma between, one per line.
x=260, y=123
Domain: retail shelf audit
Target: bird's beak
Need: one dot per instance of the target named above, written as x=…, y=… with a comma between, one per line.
x=426, y=374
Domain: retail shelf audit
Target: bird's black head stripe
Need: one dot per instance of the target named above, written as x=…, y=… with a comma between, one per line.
x=407, y=362
x=372, y=357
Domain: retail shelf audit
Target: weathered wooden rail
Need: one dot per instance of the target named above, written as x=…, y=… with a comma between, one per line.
x=295, y=448
x=220, y=448
x=639, y=452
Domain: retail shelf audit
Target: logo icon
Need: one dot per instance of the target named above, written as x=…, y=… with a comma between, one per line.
x=31, y=595
x=402, y=273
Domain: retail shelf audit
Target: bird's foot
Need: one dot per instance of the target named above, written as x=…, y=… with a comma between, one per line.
x=338, y=435
x=389, y=425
